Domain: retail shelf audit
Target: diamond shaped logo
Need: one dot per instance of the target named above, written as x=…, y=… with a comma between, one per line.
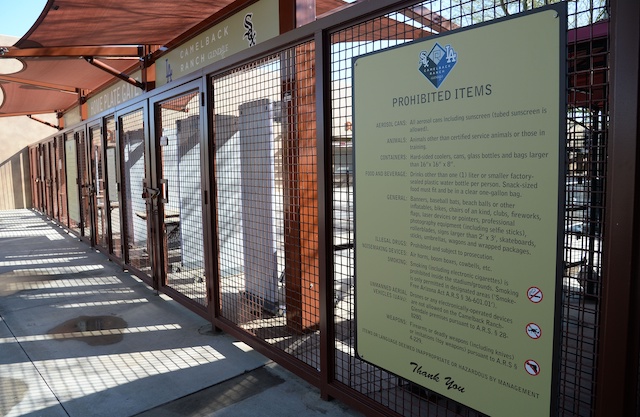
x=438, y=63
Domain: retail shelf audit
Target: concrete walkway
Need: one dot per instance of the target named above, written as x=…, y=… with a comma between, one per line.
x=79, y=337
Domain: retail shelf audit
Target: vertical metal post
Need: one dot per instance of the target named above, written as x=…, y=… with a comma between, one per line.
x=596, y=187
x=617, y=382
x=155, y=223
x=325, y=212
x=209, y=217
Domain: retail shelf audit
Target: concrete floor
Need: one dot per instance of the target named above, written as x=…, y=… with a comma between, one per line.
x=79, y=337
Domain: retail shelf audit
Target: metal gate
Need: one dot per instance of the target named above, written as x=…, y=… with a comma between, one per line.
x=35, y=178
x=178, y=149
x=63, y=215
x=113, y=212
x=73, y=186
x=136, y=192
x=53, y=180
x=49, y=180
x=585, y=188
x=273, y=282
x=86, y=227
x=267, y=203
x=98, y=198
x=77, y=184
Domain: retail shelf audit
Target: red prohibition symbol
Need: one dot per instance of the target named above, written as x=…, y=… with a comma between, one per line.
x=532, y=367
x=534, y=294
x=533, y=331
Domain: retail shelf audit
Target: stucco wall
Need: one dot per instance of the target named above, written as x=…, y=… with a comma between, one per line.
x=16, y=133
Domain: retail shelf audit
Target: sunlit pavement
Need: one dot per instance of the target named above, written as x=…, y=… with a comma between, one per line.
x=79, y=337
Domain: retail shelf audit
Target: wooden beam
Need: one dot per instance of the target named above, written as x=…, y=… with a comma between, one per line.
x=40, y=84
x=301, y=192
x=74, y=52
x=429, y=19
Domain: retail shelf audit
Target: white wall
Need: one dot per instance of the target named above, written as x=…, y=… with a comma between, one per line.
x=16, y=133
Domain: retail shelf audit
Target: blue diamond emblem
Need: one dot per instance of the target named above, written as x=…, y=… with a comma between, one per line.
x=438, y=63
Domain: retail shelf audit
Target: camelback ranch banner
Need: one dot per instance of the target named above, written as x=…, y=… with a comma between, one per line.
x=242, y=30
x=458, y=147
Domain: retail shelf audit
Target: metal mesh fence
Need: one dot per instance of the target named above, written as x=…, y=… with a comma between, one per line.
x=183, y=234
x=265, y=176
x=83, y=178
x=586, y=140
x=263, y=119
x=135, y=206
x=46, y=178
x=112, y=182
x=39, y=163
x=98, y=186
x=50, y=180
x=587, y=136
x=62, y=181
x=55, y=195
x=41, y=178
x=73, y=196
x=33, y=167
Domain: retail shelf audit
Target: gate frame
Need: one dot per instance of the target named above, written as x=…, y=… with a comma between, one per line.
x=617, y=370
x=158, y=267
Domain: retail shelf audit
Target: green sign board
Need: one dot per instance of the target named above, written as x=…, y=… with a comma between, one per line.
x=242, y=30
x=118, y=93
x=459, y=151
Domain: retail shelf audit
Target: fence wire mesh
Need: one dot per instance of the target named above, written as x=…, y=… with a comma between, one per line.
x=134, y=192
x=46, y=174
x=71, y=168
x=113, y=197
x=587, y=124
x=98, y=186
x=266, y=185
x=83, y=180
x=183, y=241
x=63, y=216
x=265, y=177
x=33, y=167
x=53, y=173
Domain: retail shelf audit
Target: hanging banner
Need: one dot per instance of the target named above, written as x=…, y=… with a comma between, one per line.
x=459, y=151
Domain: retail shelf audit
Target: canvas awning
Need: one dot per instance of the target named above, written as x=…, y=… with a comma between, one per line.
x=47, y=85
x=56, y=74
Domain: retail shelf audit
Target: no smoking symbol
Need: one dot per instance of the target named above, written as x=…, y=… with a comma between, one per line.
x=534, y=294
